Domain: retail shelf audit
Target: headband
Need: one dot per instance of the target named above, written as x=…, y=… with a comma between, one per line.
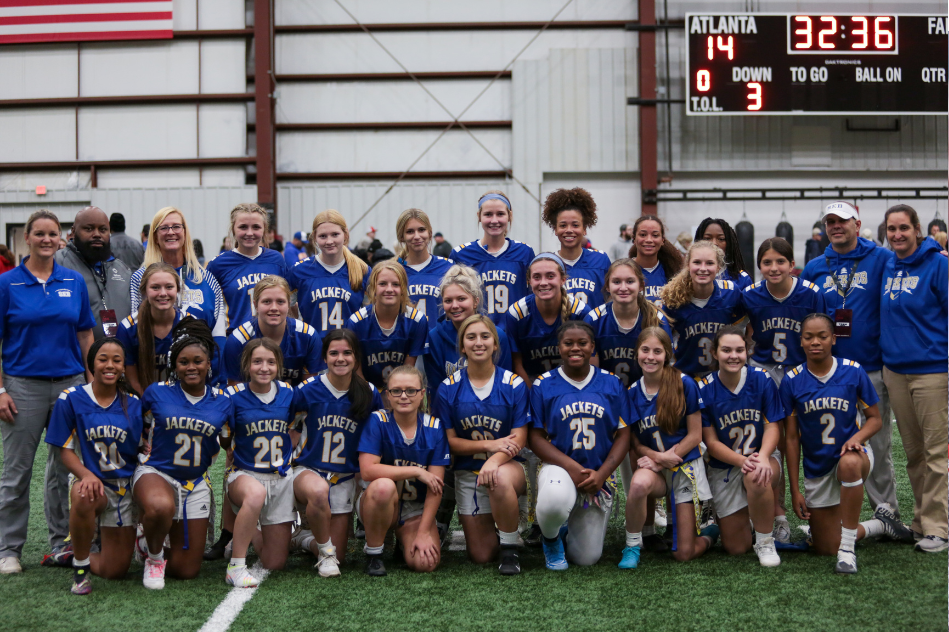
x=552, y=257
x=494, y=196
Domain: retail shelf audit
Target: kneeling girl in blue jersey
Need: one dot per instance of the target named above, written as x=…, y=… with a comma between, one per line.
x=579, y=430
x=258, y=487
x=486, y=415
x=741, y=427
x=335, y=407
x=402, y=457
x=99, y=427
x=665, y=441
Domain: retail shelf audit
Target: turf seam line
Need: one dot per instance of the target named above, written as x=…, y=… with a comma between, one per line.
x=227, y=611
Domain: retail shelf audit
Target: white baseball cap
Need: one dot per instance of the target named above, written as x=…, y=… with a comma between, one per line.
x=843, y=210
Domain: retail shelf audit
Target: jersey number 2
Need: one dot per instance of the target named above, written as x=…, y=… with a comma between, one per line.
x=330, y=438
x=274, y=446
x=186, y=443
x=582, y=425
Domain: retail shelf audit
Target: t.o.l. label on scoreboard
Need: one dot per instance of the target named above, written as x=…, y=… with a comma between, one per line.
x=762, y=63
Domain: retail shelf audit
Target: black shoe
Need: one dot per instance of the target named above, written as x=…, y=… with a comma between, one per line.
x=216, y=551
x=374, y=566
x=654, y=544
x=533, y=536
x=510, y=562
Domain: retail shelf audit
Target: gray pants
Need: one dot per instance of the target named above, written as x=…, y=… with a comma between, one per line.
x=880, y=483
x=34, y=399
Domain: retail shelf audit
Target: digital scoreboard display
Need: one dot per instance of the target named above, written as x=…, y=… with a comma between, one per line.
x=759, y=63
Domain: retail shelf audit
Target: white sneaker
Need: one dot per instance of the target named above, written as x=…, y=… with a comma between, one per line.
x=10, y=565
x=661, y=519
x=846, y=562
x=328, y=565
x=154, y=574
x=782, y=531
x=300, y=541
x=240, y=577
x=141, y=547
x=767, y=555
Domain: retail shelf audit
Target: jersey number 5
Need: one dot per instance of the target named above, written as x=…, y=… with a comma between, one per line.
x=583, y=425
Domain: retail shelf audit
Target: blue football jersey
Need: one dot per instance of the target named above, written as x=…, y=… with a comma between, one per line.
x=443, y=359
x=585, y=279
x=581, y=423
x=201, y=299
x=105, y=438
x=476, y=419
x=325, y=298
x=504, y=276
x=694, y=327
x=383, y=438
x=260, y=433
x=330, y=438
x=615, y=348
x=302, y=348
x=741, y=280
x=826, y=412
x=127, y=334
x=776, y=324
x=237, y=275
x=739, y=419
x=533, y=338
x=425, y=287
x=655, y=280
x=647, y=428
x=380, y=352
x=184, y=436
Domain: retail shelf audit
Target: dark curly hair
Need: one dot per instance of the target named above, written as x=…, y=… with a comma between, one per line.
x=190, y=331
x=734, y=262
x=570, y=200
x=122, y=387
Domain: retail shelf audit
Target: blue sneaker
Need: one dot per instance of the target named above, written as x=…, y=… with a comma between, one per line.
x=630, y=557
x=711, y=532
x=554, y=555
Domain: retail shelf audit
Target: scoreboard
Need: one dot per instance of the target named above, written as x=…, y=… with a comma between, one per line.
x=760, y=63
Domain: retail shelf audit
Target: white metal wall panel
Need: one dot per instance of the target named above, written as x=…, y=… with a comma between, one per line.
x=38, y=72
x=138, y=132
x=223, y=66
x=120, y=69
x=148, y=178
x=47, y=134
x=354, y=102
x=222, y=130
x=54, y=181
x=184, y=14
x=390, y=151
x=220, y=14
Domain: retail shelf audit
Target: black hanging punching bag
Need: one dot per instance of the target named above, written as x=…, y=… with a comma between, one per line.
x=746, y=243
x=784, y=230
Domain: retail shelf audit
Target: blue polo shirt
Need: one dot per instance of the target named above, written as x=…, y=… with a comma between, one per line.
x=39, y=322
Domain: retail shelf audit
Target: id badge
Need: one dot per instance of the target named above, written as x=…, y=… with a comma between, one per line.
x=109, y=325
x=842, y=321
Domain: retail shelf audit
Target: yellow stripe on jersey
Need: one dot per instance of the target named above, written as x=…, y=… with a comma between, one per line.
x=517, y=308
x=622, y=423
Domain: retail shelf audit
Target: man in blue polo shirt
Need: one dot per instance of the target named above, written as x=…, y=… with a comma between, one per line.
x=295, y=250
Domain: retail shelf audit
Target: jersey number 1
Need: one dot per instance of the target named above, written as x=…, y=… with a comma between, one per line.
x=332, y=317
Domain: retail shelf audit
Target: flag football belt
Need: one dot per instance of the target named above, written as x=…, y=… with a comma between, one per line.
x=120, y=491
x=689, y=471
x=188, y=487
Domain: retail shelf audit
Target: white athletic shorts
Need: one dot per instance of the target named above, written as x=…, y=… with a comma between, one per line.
x=197, y=500
x=824, y=491
x=472, y=499
x=120, y=510
x=278, y=503
x=728, y=488
x=680, y=483
x=342, y=488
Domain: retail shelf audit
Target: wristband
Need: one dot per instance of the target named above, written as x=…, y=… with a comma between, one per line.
x=2, y=390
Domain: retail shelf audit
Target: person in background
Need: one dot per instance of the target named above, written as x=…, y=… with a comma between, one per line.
x=365, y=244
x=620, y=248
x=127, y=250
x=718, y=232
x=145, y=230
x=683, y=241
x=7, y=260
x=941, y=239
x=106, y=278
x=936, y=226
x=812, y=247
x=295, y=249
x=199, y=251
x=273, y=240
x=442, y=247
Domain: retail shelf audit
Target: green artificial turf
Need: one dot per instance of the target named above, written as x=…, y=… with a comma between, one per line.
x=896, y=589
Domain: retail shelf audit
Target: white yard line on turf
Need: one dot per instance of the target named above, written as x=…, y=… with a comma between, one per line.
x=227, y=611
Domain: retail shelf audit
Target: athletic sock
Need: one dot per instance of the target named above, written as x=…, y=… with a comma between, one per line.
x=634, y=539
x=156, y=558
x=508, y=538
x=327, y=549
x=77, y=563
x=848, y=539
x=873, y=527
x=759, y=537
x=783, y=519
x=648, y=530
x=237, y=561
x=373, y=550
x=307, y=542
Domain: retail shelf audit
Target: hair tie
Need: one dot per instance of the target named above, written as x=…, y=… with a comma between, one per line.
x=494, y=196
x=551, y=257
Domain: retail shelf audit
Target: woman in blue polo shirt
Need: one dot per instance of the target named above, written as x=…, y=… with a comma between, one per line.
x=44, y=314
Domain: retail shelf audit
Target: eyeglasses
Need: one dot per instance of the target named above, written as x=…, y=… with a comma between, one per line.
x=175, y=228
x=408, y=392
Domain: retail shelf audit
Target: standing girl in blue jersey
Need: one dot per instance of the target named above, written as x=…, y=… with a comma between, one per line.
x=821, y=398
x=699, y=304
x=741, y=427
x=237, y=271
x=331, y=284
x=98, y=427
x=335, y=406
x=257, y=484
x=425, y=270
x=665, y=442
x=570, y=213
x=579, y=417
x=501, y=262
x=722, y=235
x=486, y=415
x=657, y=256
x=402, y=457
x=390, y=329
x=183, y=418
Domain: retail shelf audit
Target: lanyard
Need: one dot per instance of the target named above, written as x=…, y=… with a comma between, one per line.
x=844, y=289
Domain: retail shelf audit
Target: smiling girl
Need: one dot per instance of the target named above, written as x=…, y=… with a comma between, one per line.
x=424, y=270
x=658, y=257
x=570, y=213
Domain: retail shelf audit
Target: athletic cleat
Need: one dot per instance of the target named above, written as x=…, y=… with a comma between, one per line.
x=10, y=565
x=846, y=563
x=300, y=540
x=240, y=577
x=360, y=531
x=630, y=557
x=654, y=543
x=554, y=556
x=374, y=566
x=534, y=536
x=81, y=583
x=782, y=531
x=154, y=574
x=61, y=557
x=767, y=555
x=932, y=544
x=510, y=562
x=327, y=565
x=662, y=520
x=711, y=532
x=216, y=550
x=892, y=527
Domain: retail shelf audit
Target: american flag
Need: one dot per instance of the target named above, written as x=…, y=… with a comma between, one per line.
x=23, y=21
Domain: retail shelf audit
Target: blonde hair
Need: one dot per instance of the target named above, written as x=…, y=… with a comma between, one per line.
x=153, y=253
x=396, y=268
x=565, y=299
x=408, y=370
x=468, y=280
x=679, y=290
x=510, y=207
x=42, y=214
x=489, y=324
x=250, y=207
x=402, y=223
x=268, y=282
x=356, y=266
